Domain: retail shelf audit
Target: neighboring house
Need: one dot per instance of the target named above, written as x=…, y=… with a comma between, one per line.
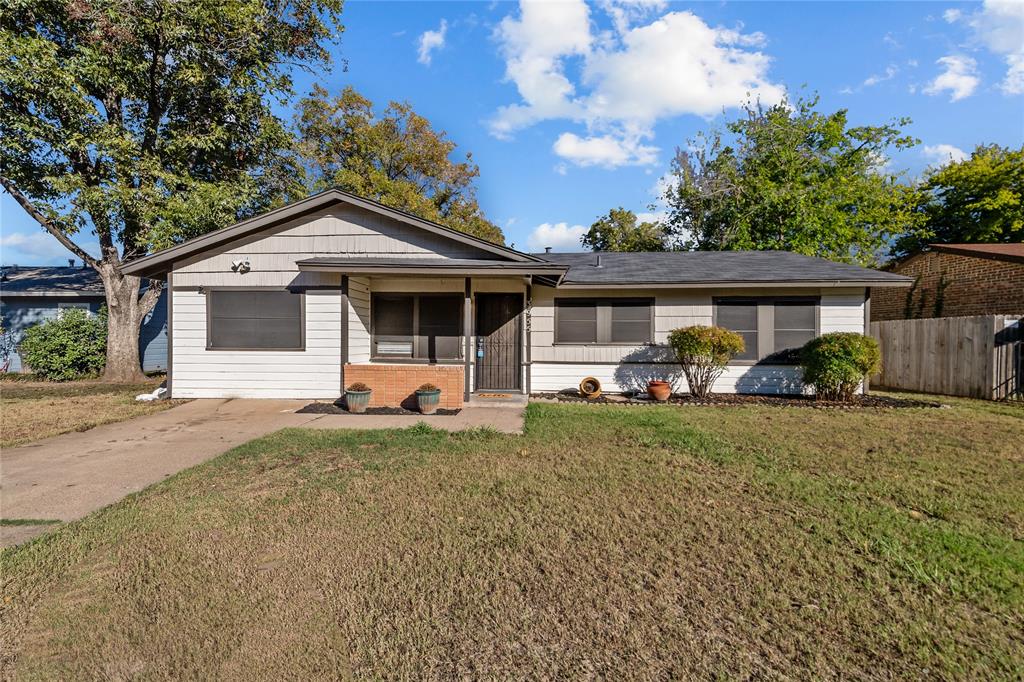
x=30, y=295
x=955, y=280
x=334, y=289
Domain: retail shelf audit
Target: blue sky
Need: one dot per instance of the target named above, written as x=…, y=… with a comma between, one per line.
x=572, y=108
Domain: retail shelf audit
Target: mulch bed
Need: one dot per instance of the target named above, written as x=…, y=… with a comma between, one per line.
x=339, y=408
x=732, y=399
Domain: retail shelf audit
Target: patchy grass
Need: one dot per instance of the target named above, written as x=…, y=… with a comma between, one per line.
x=606, y=542
x=31, y=411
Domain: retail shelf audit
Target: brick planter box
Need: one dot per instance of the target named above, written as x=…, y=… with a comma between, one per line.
x=395, y=385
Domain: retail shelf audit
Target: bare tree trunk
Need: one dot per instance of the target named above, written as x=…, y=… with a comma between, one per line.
x=125, y=312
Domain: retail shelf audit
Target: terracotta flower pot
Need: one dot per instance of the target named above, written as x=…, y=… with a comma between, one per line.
x=659, y=390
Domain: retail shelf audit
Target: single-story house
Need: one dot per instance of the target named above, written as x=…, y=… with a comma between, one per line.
x=30, y=295
x=956, y=280
x=335, y=289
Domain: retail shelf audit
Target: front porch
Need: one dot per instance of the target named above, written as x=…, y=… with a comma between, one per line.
x=460, y=325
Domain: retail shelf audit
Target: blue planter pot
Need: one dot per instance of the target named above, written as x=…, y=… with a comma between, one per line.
x=428, y=401
x=357, y=401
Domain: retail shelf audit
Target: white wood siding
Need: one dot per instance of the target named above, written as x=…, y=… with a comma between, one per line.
x=339, y=231
x=619, y=368
x=359, y=320
x=311, y=373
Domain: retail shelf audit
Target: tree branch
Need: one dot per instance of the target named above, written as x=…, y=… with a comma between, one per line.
x=46, y=224
x=148, y=300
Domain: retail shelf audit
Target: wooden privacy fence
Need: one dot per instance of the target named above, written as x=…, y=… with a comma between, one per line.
x=976, y=357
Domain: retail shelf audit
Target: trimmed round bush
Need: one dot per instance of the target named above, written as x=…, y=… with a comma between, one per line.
x=703, y=353
x=835, y=364
x=72, y=346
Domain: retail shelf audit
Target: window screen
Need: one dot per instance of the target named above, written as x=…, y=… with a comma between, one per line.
x=740, y=317
x=425, y=327
x=795, y=325
x=577, y=321
x=609, y=320
x=255, y=320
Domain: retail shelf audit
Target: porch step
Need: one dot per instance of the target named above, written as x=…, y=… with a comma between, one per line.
x=497, y=399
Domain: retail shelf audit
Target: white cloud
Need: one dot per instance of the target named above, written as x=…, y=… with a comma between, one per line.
x=37, y=248
x=559, y=236
x=875, y=79
x=430, y=41
x=999, y=26
x=960, y=78
x=651, y=217
x=952, y=15
x=604, y=150
x=627, y=81
x=941, y=154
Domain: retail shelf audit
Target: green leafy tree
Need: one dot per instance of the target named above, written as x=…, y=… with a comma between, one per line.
x=790, y=177
x=149, y=122
x=396, y=158
x=619, y=230
x=70, y=346
x=975, y=201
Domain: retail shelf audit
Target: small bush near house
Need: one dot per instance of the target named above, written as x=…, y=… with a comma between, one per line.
x=704, y=352
x=836, y=363
x=69, y=347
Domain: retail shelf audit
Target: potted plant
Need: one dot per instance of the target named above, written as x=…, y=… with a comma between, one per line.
x=659, y=390
x=357, y=397
x=428, y=396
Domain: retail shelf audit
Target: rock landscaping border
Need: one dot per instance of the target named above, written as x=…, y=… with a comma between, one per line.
x=739, y=399
x=339, y=408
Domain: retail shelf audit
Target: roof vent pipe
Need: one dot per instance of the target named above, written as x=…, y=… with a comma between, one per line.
x=599, y=261
x=547, y=249
x=71, y=262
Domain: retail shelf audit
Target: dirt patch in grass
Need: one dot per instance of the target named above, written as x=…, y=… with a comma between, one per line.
x=31, y=411
x=605, y=542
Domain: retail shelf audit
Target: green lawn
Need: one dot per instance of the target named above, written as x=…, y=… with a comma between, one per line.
x=607, y=542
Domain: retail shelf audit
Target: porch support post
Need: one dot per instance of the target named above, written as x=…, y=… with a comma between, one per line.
x=527, y=323
x=344, y=329
x=867, y=330
x=467, y=329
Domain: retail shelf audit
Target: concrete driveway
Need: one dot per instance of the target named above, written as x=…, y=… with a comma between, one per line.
x=66, y=477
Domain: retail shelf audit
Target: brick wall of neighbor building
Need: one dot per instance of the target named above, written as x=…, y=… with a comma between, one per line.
x=395, y=385
x=962, y=285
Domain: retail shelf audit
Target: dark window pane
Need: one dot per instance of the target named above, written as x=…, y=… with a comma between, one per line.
x=440, y=332
x=577, y=321
x=738, y=316
x=631, y=321
x=794, y=315
x=255, y=319
x=749, y=346
x=792, y=340
x=392, y=325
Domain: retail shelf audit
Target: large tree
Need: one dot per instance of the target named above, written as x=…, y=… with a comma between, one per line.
x=977, y=200
x=396, y=158
x=620, y=230
x=790, y=177
x=148, y=122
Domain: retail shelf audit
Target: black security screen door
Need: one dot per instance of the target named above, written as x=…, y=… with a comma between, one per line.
x=498, y=341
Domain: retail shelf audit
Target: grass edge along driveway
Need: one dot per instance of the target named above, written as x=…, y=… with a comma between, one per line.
x=606, y=541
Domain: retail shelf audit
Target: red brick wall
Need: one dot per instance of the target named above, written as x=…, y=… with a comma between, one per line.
x=969, y=286
x=395, y=385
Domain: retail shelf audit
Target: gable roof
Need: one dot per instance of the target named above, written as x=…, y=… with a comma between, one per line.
x=715, y=268
x=61, y=281
x=1013, y=253
x=161, y=261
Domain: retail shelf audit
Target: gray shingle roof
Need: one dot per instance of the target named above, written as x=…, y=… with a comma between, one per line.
x=50, y=281
x=711, y=267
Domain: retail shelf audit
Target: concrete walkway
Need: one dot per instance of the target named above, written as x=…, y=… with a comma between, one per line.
x=68, y=476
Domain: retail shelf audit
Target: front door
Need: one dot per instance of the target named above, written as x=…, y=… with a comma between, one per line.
x=498, y=341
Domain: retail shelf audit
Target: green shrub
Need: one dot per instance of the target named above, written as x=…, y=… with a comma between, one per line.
x=703, y=353
x=68, y=347
x=835, y=364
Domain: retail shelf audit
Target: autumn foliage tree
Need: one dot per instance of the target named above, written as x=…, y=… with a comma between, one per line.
x=148, y=122
x=622, y=230
x=395, y=157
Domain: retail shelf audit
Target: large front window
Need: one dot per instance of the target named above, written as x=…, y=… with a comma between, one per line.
x=254, y=320
x=417, y=326
x=773, y=329
x=603, y=321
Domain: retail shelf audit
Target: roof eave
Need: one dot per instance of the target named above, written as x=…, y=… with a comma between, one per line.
x=711, y=284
